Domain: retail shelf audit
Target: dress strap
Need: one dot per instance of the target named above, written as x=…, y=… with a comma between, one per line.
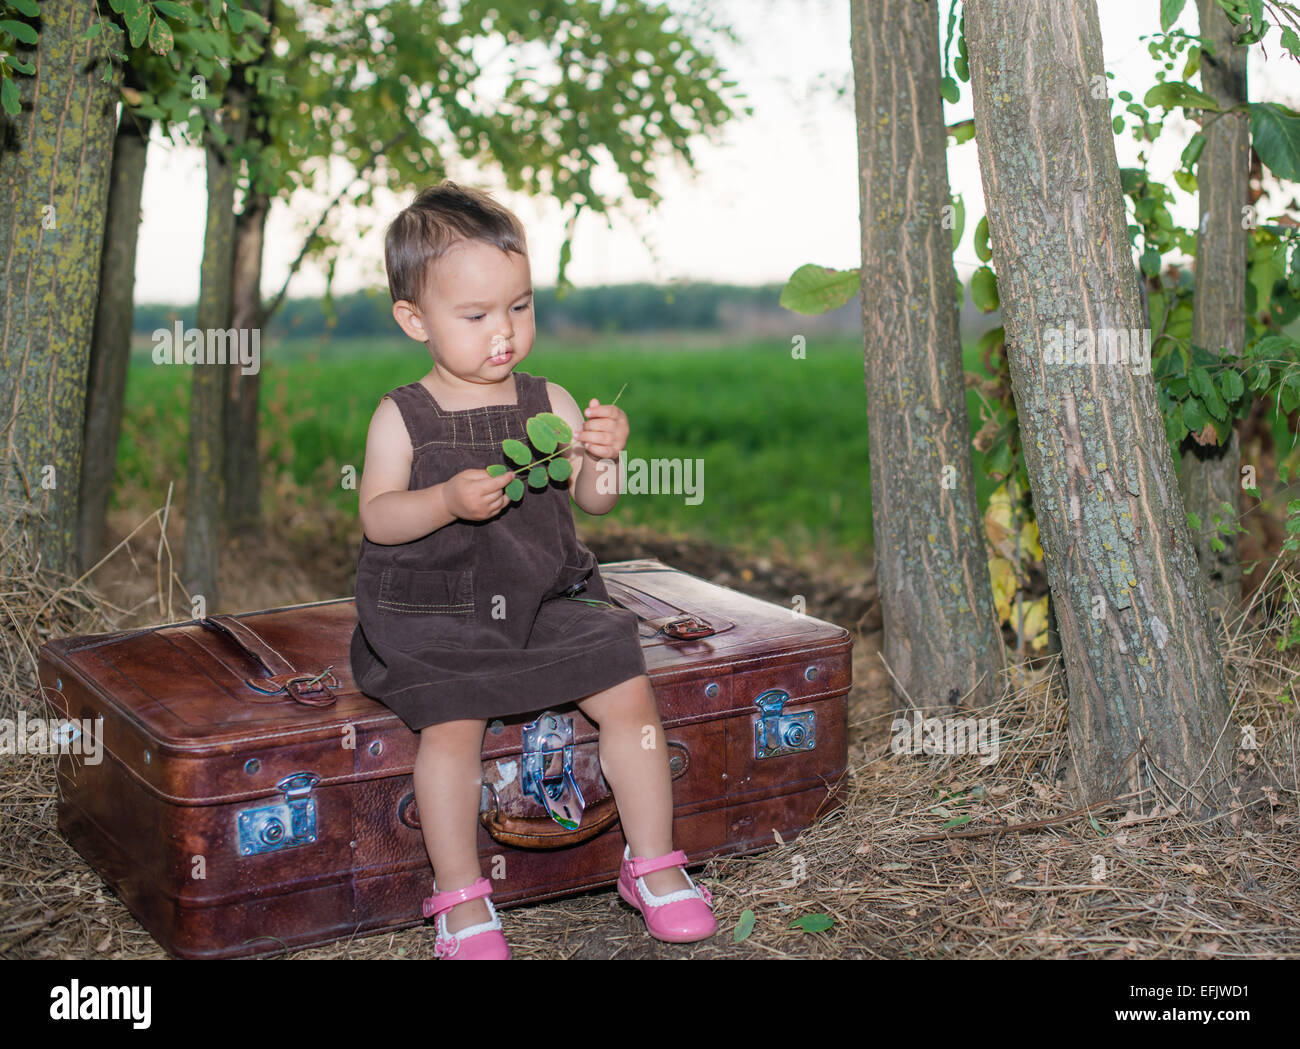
x=532, y=394
x=418, y=413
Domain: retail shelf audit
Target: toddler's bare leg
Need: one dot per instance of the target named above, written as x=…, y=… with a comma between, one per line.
x=634, y=762
x=448, y=774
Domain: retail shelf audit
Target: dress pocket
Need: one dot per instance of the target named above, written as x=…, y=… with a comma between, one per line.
x=409, y=591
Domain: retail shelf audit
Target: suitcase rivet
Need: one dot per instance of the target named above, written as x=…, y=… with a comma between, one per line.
x=497, y=727
x=147, y=757
x=711, y=690
x=252, y=766
x=377, y=747
x=675, y=763
x=810, y=674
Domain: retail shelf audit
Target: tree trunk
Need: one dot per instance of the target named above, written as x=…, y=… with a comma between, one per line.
x=207, y=399
x=1212, y=473
x=243, y=472
x=1145, y=678
x=110, y=349
x=54, y=168
x=941, y=638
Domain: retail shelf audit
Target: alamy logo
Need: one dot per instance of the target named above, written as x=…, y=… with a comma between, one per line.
x=25, y=735
x=101, y=1003
x=181, y=345
x=946, y=735
x=654, y=477
x=1123, y=346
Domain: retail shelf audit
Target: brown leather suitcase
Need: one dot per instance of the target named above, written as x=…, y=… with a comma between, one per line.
x=249, y=800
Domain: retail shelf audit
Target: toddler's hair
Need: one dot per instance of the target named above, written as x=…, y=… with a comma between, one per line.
x=439, y=217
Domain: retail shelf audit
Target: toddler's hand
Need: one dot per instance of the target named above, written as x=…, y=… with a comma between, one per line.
x=604, y=433
x=475, y=495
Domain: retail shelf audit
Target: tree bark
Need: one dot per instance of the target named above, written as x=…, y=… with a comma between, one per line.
x=1211, y=474
x=243, y=392
x=208, y=392
x=1145, y=678
x=110, y=348
x=54, y=167
x=941, y=638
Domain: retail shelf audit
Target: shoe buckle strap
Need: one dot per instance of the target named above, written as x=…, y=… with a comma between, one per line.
x=642, y=867
x=445, y=901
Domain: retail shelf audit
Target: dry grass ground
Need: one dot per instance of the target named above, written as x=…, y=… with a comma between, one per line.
x=1133, y=880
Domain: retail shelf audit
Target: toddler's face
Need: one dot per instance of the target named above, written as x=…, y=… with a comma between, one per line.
x=477, y=312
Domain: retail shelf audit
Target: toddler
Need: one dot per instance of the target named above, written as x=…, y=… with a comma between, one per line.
x=461, y=592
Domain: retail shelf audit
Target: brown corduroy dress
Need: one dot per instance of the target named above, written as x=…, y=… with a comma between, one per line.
x=472, y=621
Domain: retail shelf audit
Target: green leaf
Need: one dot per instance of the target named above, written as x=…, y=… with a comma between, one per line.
x=515, y=489
x=1150, y=260
x=1231, y=385
x=959, y=220
x=813, y=923
x=1194, y=417
x=538, y=477
x=174, y=10
x=1176, y=94
x=93, y=31
x=546, y=430
x=517, y=452
x=1193, y=521
x=1169, y=12
x=956, y=821
x=1204, y=387
x=743, y=927
x=1275, y=134
x=1291, y=41
x=961, y=67
x=962, y=131
x=818, y=289
x=497, y=469
x=22, y=67
x=559, y=469
x=21, y=30
x=1117, y=125
x=1186, y=181
x=137, y=22
x=984, y=290
x=235, y=16
x=950, y=91
x=982, y=250
x=26, y=7
x=9, y=97
x=1192, y=151
x=160, y=37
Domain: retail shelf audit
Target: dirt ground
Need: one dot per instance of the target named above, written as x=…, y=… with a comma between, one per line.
x=882, y=890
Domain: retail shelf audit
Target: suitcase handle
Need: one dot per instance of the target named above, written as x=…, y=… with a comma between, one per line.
x=679, y=623
x=311, y=690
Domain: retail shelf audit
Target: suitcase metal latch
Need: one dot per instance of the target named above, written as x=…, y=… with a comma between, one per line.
x=776, y=733
x=284, y=826
x=547, y=769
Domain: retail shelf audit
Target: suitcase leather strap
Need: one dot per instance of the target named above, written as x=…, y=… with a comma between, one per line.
x=312, y=690
x=664, y=617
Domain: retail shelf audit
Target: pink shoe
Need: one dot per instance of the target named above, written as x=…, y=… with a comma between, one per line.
x=680, y=917
x=482, y=942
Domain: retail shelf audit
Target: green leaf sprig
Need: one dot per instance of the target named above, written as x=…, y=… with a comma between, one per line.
x=548, y=433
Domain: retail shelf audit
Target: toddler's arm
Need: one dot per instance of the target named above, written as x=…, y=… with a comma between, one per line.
x=605, y=431
x=390, y=513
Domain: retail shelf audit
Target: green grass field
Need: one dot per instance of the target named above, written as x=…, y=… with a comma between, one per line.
x=783, y=441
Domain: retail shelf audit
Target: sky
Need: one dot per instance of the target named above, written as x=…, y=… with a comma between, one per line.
x=776, y=190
